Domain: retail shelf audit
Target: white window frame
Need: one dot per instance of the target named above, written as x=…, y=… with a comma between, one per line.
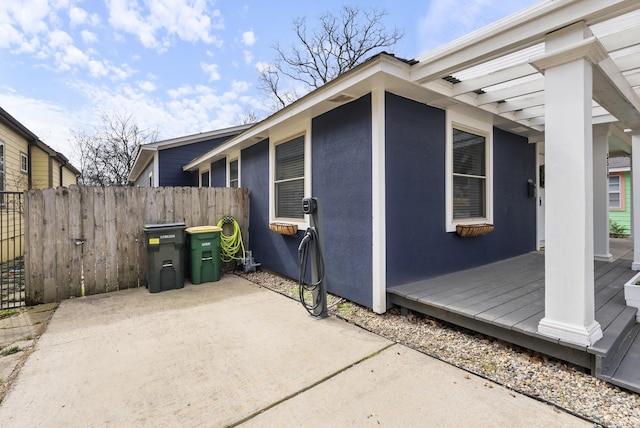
x=24, y=158
x=620, y=192
x=279, y=136
x=478, y=124
x=230, y=160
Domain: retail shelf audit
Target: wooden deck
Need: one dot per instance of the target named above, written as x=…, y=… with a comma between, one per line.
x=505, y=300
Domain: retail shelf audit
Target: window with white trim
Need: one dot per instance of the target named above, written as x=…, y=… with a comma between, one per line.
x=233, y=174
x=616, y=192
x=469, y=175
x=469, y=169
x=289, y=179
x=24, y=163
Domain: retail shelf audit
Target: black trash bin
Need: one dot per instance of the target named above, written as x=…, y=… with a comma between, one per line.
x=165, y=256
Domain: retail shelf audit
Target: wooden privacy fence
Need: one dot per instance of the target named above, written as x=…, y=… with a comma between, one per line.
x=90, y=240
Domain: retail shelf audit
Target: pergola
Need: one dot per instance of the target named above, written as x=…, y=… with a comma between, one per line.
x=566, y=74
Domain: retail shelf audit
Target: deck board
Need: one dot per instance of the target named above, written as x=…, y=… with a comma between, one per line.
x=509, y=294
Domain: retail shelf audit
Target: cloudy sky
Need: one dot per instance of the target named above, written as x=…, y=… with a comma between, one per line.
x=181, y=66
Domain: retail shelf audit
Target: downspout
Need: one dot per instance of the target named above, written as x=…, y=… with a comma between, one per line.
x=29, y=175
x=60, y=172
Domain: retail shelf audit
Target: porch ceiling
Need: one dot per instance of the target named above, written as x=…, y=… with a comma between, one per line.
x=493, y=69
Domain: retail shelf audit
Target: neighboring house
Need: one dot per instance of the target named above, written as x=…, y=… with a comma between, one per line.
x=160, y=163
x=28, y=163
x=25, y=163
x=620, y=192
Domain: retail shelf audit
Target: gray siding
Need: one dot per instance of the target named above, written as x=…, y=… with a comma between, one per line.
x=143, y=179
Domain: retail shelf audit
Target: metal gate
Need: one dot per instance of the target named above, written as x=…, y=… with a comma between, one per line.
x=12, y=286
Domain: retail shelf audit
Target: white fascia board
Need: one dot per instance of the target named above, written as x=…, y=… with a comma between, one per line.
x=383, y=64
x=144, y=155
x=625, y=169
x=196, y=138
x=518, y=31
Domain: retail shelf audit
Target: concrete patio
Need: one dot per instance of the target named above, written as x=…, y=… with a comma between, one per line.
x=231, y=353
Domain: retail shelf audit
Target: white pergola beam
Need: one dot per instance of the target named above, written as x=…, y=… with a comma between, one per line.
x=613, y=92
x=513, y=33
x=521, y=103
x=527, y=88
x=493, y=78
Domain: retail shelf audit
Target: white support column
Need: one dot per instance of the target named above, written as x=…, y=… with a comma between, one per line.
x=601, y=194
x=378, y=203
x=635, y=198
x=569, y=266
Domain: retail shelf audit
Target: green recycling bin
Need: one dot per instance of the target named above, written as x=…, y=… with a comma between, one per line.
x=165, y=256
x=205, y=253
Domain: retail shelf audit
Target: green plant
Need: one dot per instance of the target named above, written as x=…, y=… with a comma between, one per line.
x=346, y=309
x=9, y=351
x=616, y=230
x=8, y=313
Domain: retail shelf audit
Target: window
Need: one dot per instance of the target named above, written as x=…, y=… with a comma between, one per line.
x=204, y=179
x=468, y=168
x=151, y=179
x=233, y=174
x=289, y=179
x=24, y=163
x=469, y=175
x=616, y=191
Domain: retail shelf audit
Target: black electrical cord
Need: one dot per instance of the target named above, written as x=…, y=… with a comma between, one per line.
x=310, y=238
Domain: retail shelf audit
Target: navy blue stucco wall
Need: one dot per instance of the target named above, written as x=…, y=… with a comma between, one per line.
x=173, y=159
x=219, y=173
x=417, y=244
x=342, y=180
x=275, y=252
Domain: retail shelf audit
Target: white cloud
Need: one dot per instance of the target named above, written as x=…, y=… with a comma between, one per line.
x=240, y=86
x=248, y=57
x=147, y=86
x=165, y=20
x=211, y=70
x=439, y=25
x=263, y=66
x=59, y=38
x=89, y=37
x=77, y=16
x=248, y=38
x=49, y=121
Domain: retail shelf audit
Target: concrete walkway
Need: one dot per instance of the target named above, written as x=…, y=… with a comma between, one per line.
x=231, y=353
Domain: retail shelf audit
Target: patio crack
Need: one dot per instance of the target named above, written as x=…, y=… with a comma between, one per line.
x=309, y=387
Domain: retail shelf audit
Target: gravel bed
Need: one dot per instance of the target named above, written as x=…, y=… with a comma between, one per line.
x=530, y=373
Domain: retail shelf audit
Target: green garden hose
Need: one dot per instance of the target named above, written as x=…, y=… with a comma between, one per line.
x=230, y=245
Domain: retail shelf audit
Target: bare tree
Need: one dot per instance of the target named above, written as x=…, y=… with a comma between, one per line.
x=247, y=117
x=339, y=44
x=107, y=153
